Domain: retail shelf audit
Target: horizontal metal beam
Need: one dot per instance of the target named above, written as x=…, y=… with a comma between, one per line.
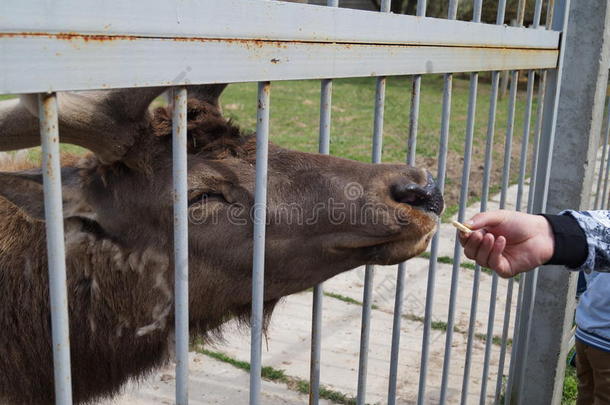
x=39, y=63
x=264, y=20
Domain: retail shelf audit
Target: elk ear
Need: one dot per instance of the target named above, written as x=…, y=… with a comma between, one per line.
x=207, y=92
x=24, y=189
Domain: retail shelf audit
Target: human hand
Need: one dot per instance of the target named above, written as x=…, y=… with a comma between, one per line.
x=508, y=242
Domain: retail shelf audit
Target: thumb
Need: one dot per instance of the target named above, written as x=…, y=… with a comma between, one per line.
x=487, y=219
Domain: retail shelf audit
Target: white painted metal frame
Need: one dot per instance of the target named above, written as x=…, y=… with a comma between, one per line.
x=275, y=21
x=92, y=45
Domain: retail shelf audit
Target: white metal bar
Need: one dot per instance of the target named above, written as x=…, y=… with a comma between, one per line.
x=537, y=14
x=530, y=209
x=457, y=250
x=413, y=120
x=260, y=214
x=515, y=347
x=518, y=207
x=401, y=274
x=396, y=322
x=56, y=253
x=600, y=175
x=547, y=142
x=54, y=64
x=326, y=89
x=537, y=132
x=367, y=300
x=442, y=165
x=181, y=281
x=318, y=290
x=604, y=195
x=207, y=19
x=434, y=249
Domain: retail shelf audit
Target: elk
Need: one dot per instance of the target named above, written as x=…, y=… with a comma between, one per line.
x=117, y=204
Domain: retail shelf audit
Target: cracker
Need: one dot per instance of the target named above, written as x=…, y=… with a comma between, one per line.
x=463, y=228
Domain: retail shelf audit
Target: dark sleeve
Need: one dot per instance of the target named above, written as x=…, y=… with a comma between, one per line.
x=571, y=247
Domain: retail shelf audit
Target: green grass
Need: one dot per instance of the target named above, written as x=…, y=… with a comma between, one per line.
x=570, y=384
x=570, y=387
x=344, y=298
x=295, y=111
x=436, y=325
x=279, y=376
x=449, y=260
x=295, y=117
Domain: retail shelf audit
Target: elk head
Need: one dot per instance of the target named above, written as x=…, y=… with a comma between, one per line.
x=325, y=214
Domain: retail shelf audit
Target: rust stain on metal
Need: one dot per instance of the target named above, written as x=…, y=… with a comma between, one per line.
x=248, y=42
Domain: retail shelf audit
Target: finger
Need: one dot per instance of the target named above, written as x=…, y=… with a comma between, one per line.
x=463, y=237
x=497, y=261
x=472, y=244
x=485, y=250
x=487, y=219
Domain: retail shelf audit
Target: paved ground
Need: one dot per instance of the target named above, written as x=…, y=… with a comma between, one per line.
x=288, y=343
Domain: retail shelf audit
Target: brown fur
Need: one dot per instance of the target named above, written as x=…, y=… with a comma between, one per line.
x=118, y=230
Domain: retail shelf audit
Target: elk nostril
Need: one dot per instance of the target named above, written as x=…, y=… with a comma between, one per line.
x=411, y=194
x=426, y=197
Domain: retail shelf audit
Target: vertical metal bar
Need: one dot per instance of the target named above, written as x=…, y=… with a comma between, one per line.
x=484, y=199
x=520, y=12
x=550, y=9
x=442, y=166
x=547, y=140
x=522, y=281
x=54, y=223
x=604, y=204
x=318, y=290
x=600, y=175
x=400, y=277
x=531, y=77
x=537, y=14
x=413, y=120
x=398, y=300
x=515, y=346
x=503, y=197
x=530, y=209
x=365, y=334
x=501, y=14
x=181, y=281
x=369, y=269
x=457, y=251
x=509, y=137
x=435, y=241
x=415, y=95
x=510, y=287
x=260, y=214
x=421, y=8
x=606, y=176
x=537, y=132
x=367, y=299
x=504, y=343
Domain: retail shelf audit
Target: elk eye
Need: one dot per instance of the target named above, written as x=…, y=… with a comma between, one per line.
x=202, y=197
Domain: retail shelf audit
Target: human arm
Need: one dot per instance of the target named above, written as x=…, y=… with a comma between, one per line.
x=513, y=242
